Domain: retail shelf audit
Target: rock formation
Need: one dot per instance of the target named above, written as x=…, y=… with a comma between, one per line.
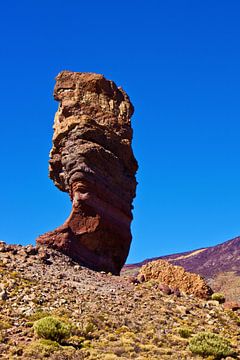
x=92, y=160
x=175, y=277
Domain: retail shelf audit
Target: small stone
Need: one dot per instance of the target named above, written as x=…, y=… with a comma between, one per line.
x=60, y=276
x=77, y=267
x=3, y=295
x=19, y=352
x=134, y=280
x=62, y=301
x=213, y=302
x=182, y=310
x=5, y=261
x=43, y=255
x=141, y=278
x=31, y=250
x=176, y=292
x=165, y=289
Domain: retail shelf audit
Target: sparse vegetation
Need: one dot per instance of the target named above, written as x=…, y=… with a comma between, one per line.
x=41, y=348
x=107, y=316
x=184, y=332
x=218, y=297
x=38, y=314
x=51, y=328
x=207, y=344
x=4, y=325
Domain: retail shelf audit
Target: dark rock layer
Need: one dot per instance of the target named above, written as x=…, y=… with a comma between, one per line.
x=92, y=160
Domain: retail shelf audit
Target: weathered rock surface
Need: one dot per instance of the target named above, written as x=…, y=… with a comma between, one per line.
x=175, y=277
x=92, y=160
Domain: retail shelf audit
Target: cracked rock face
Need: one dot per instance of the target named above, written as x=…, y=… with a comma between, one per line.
x=93, y=161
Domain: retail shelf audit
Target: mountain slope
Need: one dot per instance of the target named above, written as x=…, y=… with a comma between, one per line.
x=111, y=317
x=219, y=264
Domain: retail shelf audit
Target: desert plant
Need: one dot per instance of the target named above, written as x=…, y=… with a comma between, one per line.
x=207, y=343
x=38, y=314
x=51, y=328
x=218, y=297
x=4, y=325
x=41, y=348
x=184, y=332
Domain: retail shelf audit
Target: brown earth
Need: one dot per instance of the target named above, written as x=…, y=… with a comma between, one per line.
x=112, y=317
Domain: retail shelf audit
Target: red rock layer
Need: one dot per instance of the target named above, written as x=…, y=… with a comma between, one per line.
x=92, y=160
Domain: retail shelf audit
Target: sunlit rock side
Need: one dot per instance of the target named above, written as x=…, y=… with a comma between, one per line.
x=92, y=160
x=175, y=277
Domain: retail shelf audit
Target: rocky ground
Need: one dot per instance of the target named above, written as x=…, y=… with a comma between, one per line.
x=112, y=317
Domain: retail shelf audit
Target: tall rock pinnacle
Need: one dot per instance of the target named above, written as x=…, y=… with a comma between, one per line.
x=92, y=160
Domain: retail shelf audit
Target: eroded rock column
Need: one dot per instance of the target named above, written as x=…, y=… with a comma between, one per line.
x=92, y=160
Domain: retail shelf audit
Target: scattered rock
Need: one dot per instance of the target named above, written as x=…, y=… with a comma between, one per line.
x=43, y=255
x=31, y=250
x=176, y=292
x=3, y=295
x=111, y=312
x=141, y=278
x=77, y=267
x=165, y=289
x=213, y=302
x=133, y=280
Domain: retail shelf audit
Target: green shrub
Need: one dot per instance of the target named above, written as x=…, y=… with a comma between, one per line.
x=41, y=348
x=218, y=297
x=185, y=332
x=38, y=314
x=89, y=328
x=51, y=328
x=207, y=343
x=4, y=325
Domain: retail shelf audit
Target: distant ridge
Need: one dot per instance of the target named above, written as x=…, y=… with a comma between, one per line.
x=207, y=262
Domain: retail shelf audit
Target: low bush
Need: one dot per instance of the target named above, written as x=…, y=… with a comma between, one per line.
x=207, y=343
x=185, y=332
x=51, y=328
x=38, y=314
x=4, y=325
x=41, y=348
x=218, y=297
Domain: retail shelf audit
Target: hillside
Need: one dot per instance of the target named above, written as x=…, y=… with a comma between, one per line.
x=112, y=317
x=219, y=264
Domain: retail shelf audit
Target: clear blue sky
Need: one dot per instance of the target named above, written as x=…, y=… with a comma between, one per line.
x=180, y=63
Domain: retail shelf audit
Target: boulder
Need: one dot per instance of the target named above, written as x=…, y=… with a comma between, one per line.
x=175, y=277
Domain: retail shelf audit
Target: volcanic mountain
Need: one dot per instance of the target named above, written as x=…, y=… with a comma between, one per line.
x=219, y=264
